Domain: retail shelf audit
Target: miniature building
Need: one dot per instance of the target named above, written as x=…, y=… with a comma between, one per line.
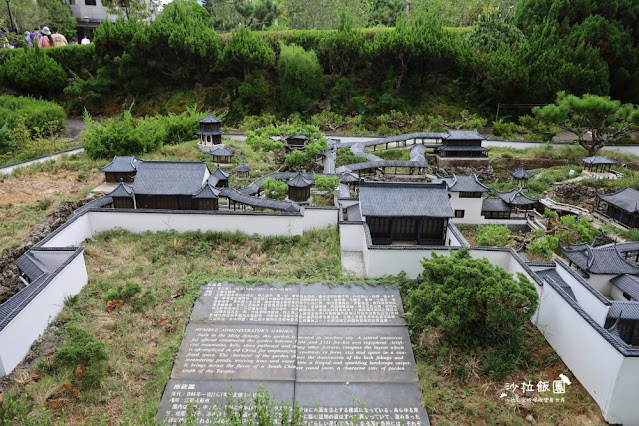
x=210, y=131
x=222, y=155
x=495, y=208
x=406, y=212
x=299, y=187
x=122, y=197
x=521, y=176
x=297, y=142
x=169, y=185
x=207, y=198
x=622, y=206
x=120, y=169
x=603, y=260
x=463, y=144
x=465, y=193
x=517, y=199
x=350, y=179
x=219, y=178
x=243, y=170
x=598, y=163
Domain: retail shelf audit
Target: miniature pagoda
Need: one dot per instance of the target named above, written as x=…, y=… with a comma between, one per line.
x=298, y=141
x=210, y=131
x=515, y=198
x=299, y=187
x=243, y=170
x=463, y=144
x=219, y=178
x=521, y=176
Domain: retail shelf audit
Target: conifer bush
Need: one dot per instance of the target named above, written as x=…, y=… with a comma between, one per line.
x=34, y=73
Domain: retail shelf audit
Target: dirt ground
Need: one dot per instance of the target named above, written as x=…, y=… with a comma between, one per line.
x=32, y=189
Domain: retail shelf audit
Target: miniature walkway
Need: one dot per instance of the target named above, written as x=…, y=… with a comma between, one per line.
x=340, y=353
x=553, y=205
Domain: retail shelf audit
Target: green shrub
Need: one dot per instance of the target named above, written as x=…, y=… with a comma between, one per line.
x=345, y=156
x=274, y=189
x=300, y=78
x=42, y=117
x=542, y=245
x=33, y=73
x=493, y=235
x=326, y=183
x=506, y=130
x=84, y=351
x=254, y=93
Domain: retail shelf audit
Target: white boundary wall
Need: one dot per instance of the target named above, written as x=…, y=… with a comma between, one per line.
x=17, y=337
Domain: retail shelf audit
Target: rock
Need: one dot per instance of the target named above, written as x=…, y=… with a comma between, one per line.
x=530, y=419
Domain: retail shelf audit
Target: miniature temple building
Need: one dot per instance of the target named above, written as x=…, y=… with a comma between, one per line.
x=207, y=198
x=219, y=178
x=222, y=155
x=350, y=179
x=598, y=163
x=517, y=199
x=521, y=176
x=621, y=206
x=297, y=142
x=602, y=260
x=495, y=208
x=405, y=212
x=210, y=131
x=627, y=285
x=243, y=170
x=623, y=318
x=122, y=197
x=465, y=193
x=120, y=169
x=463, y=144
x=169, y=185
x=299, y=187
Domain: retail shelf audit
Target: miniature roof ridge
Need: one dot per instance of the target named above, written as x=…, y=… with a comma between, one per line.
x=220, y=174
x=210, y=119
x=123, y=162
x=509, y=196
x=222, y=152
x=616, y=264
x=171, y=162
x=598, y=159
x=122, y=190
x=626, y=198
x=299, y=181
x=207, y=191
x=521, y=173
x=372, y=183
x=461, y=134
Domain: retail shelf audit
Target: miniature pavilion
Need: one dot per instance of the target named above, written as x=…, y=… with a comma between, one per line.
x=210, y=131
x=299, y=187
x=598, y=163
x=521, y=176
x=298, y=141
x=222, y=155
x=120, y=169
x=621, y=206
x=463, y=144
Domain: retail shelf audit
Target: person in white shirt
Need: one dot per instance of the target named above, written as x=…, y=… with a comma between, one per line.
x=85, y=40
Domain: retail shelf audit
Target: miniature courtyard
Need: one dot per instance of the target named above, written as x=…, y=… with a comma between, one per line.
x=472, y=196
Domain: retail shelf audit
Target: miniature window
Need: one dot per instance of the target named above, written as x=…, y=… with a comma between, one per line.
x=459, y=213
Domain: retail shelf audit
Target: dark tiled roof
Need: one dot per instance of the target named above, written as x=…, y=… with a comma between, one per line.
x=627, y=283
x=265, y=203
x=459, y=135
x=220, y=174
x=122, y=190
x=170, y=177
x=210, y=119
x=455, y=148
x=222, y=152
x=516, y=197
x=552, y=274
x=521, y=173
x=463, y=183
x=404, y=199
x=299, y=181
x=243, y=168
x=207, y=191
x=348, y=177
x=626, y=199
x=120, y=164
x=598, y=260
x=494, y=205
x=300, y=136
x=598, y=160
x=630, y=310
x=31, y=266
x=385, y=163
x=209, y=132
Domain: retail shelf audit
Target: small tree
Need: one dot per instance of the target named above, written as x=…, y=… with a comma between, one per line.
x=247, y=51
x=470, y=300
x=326, y=183
x=493, y=235
x=597, y=121
x=274, y=189
x=300, y=78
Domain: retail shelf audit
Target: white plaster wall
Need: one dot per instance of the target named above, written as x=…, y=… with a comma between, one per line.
x=73, y=235
x=451, y=239
x=10, y=169
x=617, y=294
x=519, y=222
x=590, y=357
x=594, y=307
x=161, y=221
x=471, y=207
x=622, y=407
x=320, y=218
x=18, y=336
x=352, y=237
x=380, y=262
x=52, y=259
x=602, y=283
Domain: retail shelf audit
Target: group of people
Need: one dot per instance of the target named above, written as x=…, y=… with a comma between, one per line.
x=49, y=38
